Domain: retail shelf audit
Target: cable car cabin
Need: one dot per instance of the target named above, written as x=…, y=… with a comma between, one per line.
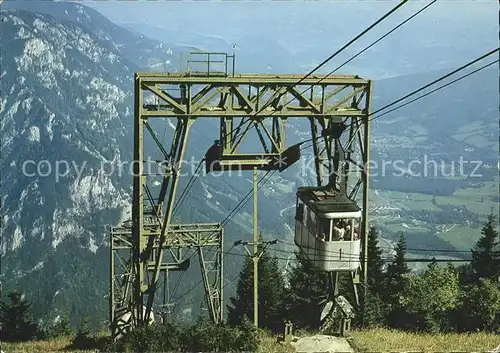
x=327, y=229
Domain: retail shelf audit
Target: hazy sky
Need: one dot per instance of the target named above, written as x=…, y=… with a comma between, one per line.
x=281, y=20
x=310, y=30
x=232, y=11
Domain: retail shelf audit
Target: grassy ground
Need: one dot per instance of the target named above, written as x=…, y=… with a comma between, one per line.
x=268, y=344
x=384, y=340
x=56, y=345
x=378, y=340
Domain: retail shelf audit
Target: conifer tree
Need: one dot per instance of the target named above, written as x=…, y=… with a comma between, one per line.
x=375, y=264
x=271, y=293
x=242, y=304
x=17, y=323
x=84, y=336
x=486, y=259
x=62, y=328
x=397, y=270
x=374, y=309
x=307, y=288
x=397, y=281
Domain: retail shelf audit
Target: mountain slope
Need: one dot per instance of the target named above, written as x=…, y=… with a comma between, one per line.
x=136, y=47
x=67, y=105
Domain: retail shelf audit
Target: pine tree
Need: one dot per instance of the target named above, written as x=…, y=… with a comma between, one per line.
x=242, y=303
x=375, y=264
x=307, y=288
x=396, y=282
x=486, y=259
x=84, y=336
x=62, y=328
x=271, y=294
x=17, y=323
x=397, y=272
x=374, y=309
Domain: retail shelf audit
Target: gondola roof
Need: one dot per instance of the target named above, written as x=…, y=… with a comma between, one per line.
x=322, y=201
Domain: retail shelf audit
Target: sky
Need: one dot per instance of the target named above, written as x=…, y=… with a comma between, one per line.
x=211, y=14
x=308, y=31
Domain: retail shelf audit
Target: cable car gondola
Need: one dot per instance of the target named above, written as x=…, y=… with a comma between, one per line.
x=327, y=229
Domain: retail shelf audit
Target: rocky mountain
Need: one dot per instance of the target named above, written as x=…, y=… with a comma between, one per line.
x=66, y=89
x=66, y=120
x=145, y=52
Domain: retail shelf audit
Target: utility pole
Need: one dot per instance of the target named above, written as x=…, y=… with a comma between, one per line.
x=256, y=255
x=255, y=258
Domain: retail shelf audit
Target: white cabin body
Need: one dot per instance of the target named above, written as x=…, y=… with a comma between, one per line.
x=316, y=232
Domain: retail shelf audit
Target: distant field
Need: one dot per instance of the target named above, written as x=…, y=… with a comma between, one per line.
x=461, y=237
x=473, y=135
x=476, y=200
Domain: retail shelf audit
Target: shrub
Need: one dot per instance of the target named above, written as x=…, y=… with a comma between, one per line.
x=208, y=337
x=155, y=338
x=84, y=338
x=203, y=336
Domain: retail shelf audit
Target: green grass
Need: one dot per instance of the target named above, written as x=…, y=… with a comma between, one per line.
x=384, y=340
x=376, y=340
x=268, y=344
x=476, y=200
x=474, y=126
x=55, y=345
x=461, y=237
x=419, y=130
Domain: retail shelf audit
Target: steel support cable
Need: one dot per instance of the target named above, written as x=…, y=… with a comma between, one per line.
x=435, y=90
x=201, y=281
x=378, y=40
x=334, y=55
x=398, y=107
x=384, y=259
x=198, y=284
x=366, y=48
x=408, y=249
x=407, y=96
x=245, y=199
x=403, y=2
x=176, y=287
x=227, y=219
x=419, y=90
x=352, y=256
x=188, y=187
x=436, y=81
x=430, y=84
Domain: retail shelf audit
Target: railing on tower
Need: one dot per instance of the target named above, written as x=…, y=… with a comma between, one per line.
x=210, y=64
